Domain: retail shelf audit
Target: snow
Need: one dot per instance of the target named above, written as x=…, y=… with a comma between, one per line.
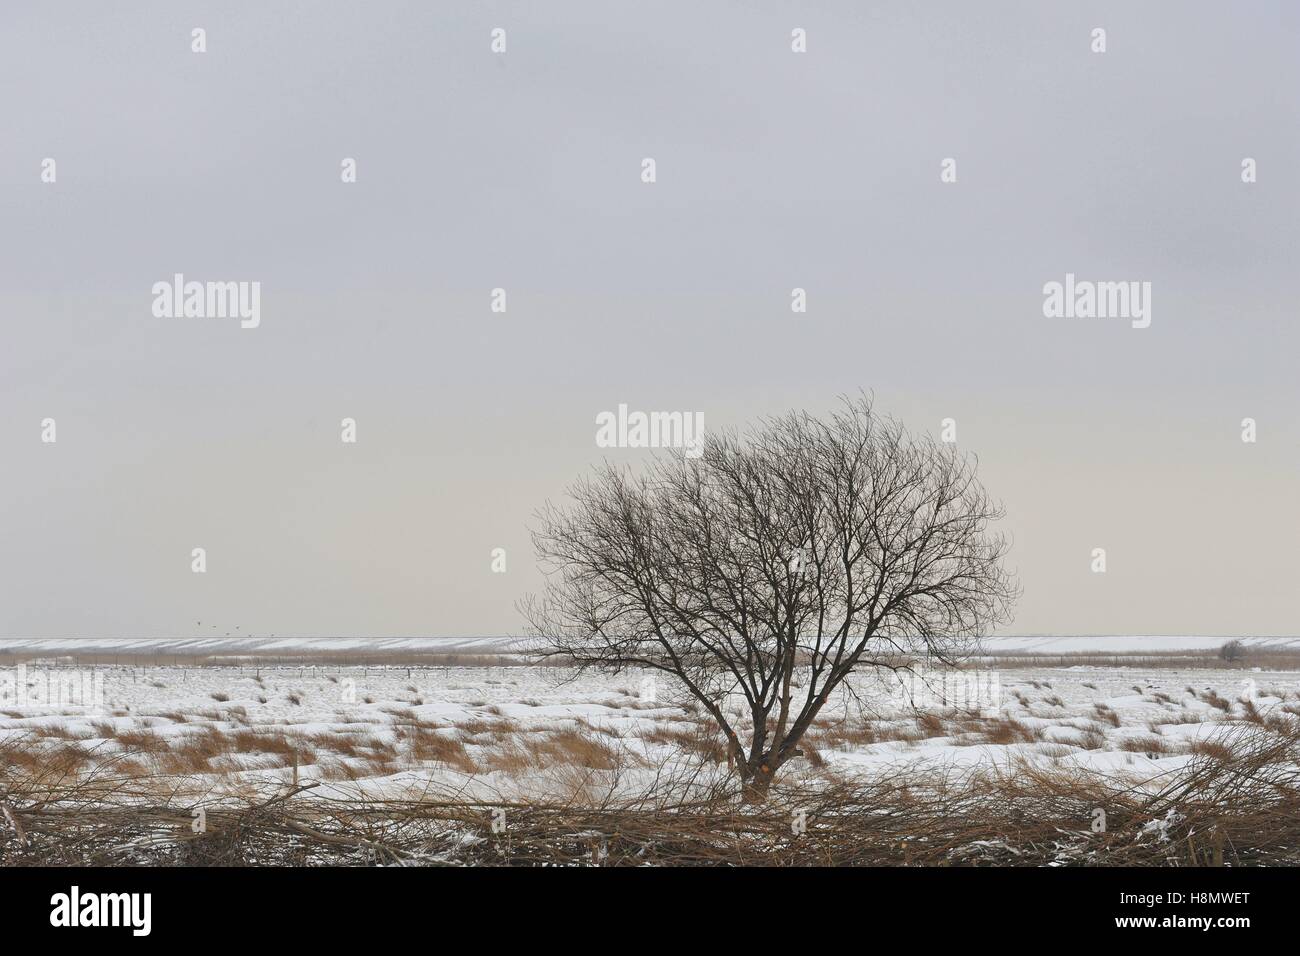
x=490, y=710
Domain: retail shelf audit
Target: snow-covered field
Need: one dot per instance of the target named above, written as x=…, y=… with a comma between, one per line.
x=520, y=730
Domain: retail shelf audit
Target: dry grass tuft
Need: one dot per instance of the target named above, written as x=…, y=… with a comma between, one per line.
x=1148, y=744
x=423, y=744
x=1107, y=714
x=697, y=739
x=1008, y=730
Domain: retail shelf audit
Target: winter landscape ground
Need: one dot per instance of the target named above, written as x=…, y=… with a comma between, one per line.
x=1039, y=750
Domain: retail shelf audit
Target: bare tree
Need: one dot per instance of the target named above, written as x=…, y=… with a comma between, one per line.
x=1232, y=651
x=769, y=568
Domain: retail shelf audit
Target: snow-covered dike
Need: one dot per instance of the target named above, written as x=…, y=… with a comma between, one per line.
x=256, y=645
x=1126, y=643
x=1034, y=643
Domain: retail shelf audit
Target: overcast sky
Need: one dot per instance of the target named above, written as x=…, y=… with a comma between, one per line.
x=522, y=170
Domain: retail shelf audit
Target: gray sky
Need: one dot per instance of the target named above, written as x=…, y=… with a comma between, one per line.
x=775, y=170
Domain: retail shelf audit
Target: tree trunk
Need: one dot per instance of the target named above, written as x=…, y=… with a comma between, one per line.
x=757, y=783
